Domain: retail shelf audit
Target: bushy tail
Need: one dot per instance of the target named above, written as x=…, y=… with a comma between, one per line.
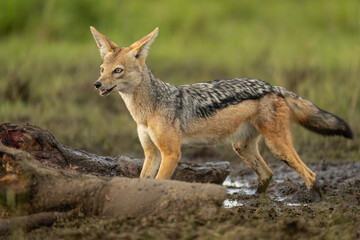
x=313, y=118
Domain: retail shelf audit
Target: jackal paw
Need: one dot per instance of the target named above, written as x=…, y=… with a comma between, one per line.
x=263, y=186
x=316, y=192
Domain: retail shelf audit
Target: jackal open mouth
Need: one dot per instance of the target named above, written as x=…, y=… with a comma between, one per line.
x=105, y=92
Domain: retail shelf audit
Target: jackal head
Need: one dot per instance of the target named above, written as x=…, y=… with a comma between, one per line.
x=122, y=68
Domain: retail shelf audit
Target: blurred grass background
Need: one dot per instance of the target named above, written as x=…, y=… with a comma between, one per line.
x=49, y=61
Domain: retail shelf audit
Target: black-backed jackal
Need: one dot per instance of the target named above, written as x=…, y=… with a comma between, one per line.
x=236, y=111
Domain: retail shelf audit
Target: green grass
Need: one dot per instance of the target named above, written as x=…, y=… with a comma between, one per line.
x=48, y=61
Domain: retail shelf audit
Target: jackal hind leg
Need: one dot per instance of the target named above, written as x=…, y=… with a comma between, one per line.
x=277, y=135
x=247, y=149
x=284, y=150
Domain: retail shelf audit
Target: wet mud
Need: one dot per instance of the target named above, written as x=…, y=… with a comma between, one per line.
x=287, y=211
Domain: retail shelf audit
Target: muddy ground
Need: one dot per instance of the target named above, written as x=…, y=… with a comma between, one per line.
x=286, y=211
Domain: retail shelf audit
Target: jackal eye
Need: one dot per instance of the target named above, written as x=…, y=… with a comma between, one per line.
x=118, y=70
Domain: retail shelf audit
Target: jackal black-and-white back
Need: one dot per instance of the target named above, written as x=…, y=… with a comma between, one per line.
x=201, y=100
x=208, y=97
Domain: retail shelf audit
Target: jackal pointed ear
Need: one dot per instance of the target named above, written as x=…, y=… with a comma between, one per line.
x=140, y=48
x=104, y=43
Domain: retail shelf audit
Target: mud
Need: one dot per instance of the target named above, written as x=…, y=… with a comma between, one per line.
x=287, y=211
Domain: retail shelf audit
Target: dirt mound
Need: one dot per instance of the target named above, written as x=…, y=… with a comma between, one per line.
x=285, y=212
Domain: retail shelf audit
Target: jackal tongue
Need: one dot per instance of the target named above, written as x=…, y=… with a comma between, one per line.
x=103, y=91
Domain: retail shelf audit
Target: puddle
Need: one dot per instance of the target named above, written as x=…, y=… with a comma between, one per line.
x=281, y=199
x=232, y=203
x=241, y=187
x=295, y=204
x=237, y=187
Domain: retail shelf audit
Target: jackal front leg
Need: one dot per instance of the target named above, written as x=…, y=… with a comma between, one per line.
x=168, y=164
x=169, y=144
x=152, y=156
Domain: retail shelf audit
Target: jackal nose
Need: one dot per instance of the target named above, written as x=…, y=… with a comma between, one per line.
x=97, y=84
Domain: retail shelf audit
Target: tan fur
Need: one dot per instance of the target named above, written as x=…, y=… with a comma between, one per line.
x=241, y=124
x=224, y=126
